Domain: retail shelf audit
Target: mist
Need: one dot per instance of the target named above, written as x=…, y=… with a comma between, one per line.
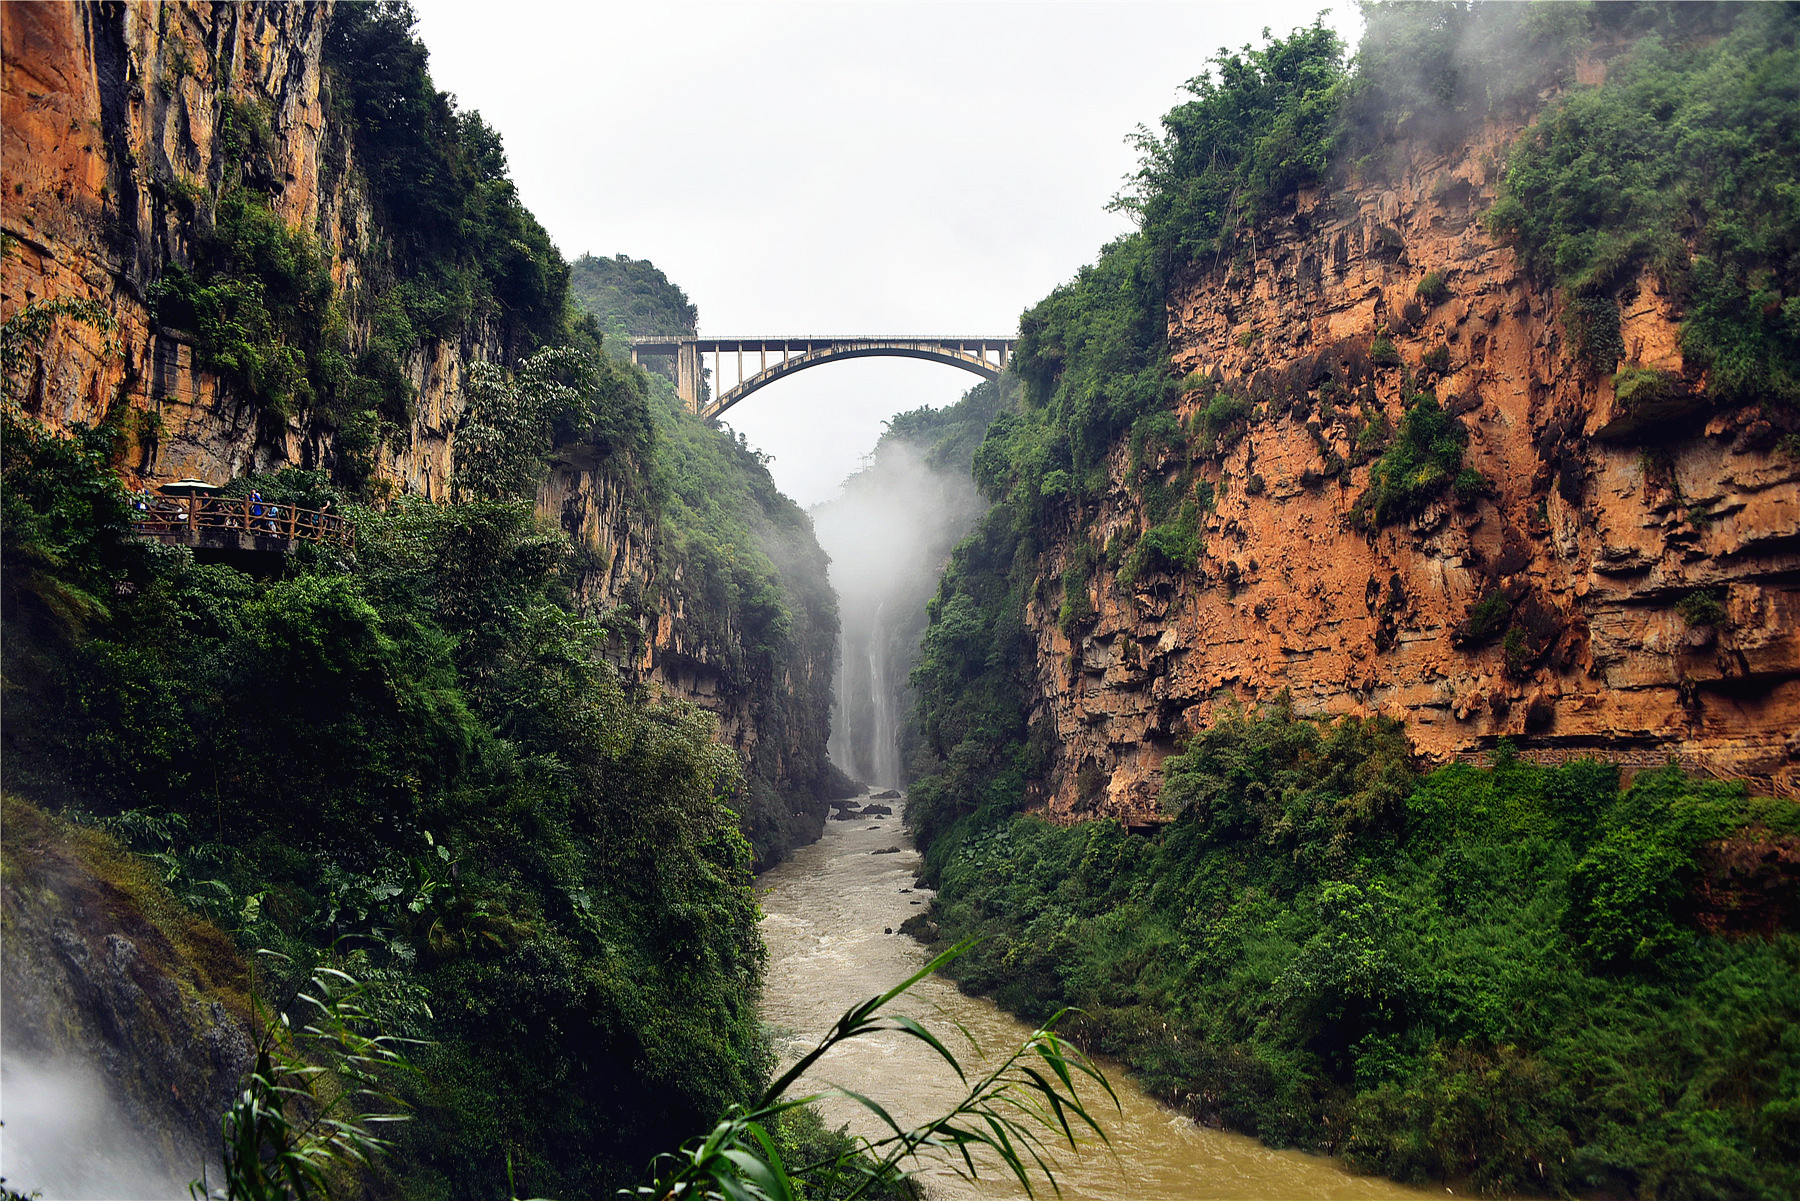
x=888, y=533
x=67, y=1137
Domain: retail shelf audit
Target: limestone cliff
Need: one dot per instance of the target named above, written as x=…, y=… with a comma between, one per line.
x=1597, y=521
x=119, y=149
x=113, y=116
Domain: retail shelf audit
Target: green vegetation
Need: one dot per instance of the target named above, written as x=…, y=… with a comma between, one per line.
x=1077, y=607
x=758, y=611
x=257, y=305
x=419, y=769
x=1703, y=609
x=1432, y=289
x=1221, y=423
x=1423, y=463
x=1485, y=619
x=1636, y=388
x=297, y=1130
x=1596, y=336
x=631, y=298
x=1093, y=359
x=1168, y=546
x=1488, y=977
x=464, y=246
x=1262, y=123
x=299, y=1119
x=947, y=437
x=257, y=298
x=636, y=298
x=737, y=562
x=1501, y=978
x=1684, y=164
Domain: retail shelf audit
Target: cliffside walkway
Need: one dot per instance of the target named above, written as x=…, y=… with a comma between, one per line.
x=238, y=523
x=985, y=357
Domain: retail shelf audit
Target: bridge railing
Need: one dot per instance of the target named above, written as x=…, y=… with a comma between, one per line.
x=176, y=518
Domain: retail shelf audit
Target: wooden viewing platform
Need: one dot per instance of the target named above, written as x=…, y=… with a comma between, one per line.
x=238, y=523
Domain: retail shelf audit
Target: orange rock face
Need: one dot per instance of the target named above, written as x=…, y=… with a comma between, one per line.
x=110, y=115
x=1596, y=524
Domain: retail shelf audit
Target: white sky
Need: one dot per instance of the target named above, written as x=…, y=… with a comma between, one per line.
x=835, y=168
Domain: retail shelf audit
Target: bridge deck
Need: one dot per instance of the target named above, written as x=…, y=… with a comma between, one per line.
x=796, y=352
x=664, y=345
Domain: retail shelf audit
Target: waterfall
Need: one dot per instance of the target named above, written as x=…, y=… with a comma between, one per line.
x=884, y=725
x=887, y=533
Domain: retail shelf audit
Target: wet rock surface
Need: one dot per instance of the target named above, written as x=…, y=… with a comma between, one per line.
x=104, y=972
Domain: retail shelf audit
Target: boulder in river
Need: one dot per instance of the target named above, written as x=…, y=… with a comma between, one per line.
x=845, y=815
x=876, y=811
x=886, y=851
x=888, y=794
x=921, y=927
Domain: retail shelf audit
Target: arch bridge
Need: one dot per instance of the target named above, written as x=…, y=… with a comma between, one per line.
x=778, y=357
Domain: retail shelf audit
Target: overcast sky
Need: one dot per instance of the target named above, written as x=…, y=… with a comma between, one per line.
x=840, y=168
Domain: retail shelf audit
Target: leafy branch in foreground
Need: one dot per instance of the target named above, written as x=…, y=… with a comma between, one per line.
x=1017, y=1111
x=307, y=1107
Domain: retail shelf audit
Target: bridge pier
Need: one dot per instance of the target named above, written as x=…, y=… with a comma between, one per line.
x=687, y=375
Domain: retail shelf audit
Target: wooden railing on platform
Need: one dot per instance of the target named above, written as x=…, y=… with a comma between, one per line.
x=181, y=518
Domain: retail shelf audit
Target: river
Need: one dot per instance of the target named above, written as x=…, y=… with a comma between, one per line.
x=826, y=913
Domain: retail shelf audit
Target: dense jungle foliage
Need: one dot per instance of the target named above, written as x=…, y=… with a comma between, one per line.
x=416, y=767
x=1501, y=977
x=635, y=296
x=757, y=609
x=463, y=245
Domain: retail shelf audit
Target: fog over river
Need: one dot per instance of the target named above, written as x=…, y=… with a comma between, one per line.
x=826, y=913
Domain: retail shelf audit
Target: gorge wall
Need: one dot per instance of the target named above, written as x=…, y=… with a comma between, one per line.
x=124, y=127
x=1597, y=521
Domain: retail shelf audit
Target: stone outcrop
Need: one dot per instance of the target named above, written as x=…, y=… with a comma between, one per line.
x=1597, y=523
x=111, y=115
x=104, y=969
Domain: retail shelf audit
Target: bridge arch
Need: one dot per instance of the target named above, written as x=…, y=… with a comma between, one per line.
x=986, y=357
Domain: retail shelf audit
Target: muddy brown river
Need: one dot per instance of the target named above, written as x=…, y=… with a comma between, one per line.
x=825, y=913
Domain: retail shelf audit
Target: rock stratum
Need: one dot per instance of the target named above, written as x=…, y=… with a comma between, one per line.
x=113, y=116
x=1597, y=522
